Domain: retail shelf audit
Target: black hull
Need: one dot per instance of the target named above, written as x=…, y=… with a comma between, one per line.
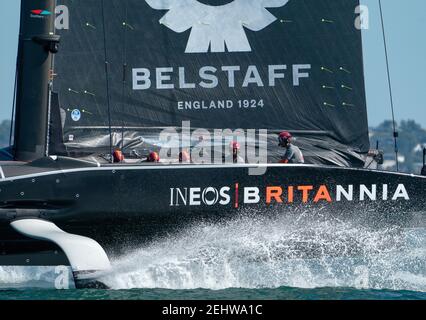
x=121, y=206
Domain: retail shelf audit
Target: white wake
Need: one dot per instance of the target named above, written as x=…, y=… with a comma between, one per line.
x=268, y=253
x=256, y=252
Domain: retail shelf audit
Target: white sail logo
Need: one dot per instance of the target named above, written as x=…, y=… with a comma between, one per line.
x=217, y=28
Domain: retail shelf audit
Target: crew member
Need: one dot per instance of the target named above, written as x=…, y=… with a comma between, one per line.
x=234, y=150
x=292, y=153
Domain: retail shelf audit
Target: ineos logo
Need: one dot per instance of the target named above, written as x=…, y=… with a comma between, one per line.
x=209, y=196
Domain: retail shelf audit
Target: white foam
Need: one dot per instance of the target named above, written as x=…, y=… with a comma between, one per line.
x=256, y=253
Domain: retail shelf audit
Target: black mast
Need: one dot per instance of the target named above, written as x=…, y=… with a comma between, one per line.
x=37, y=43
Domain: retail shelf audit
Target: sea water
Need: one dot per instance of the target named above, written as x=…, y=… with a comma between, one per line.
x=254, y=257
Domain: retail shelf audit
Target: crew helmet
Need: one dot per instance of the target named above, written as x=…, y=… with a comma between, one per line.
x=284, y=138
x=153, y=157
x=234, y=145
x=118, y=155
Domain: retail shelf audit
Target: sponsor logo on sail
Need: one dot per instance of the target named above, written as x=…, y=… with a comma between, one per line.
x=217, y=28
x=220, y=28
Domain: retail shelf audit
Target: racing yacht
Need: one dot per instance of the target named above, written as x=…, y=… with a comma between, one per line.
x=142, y=76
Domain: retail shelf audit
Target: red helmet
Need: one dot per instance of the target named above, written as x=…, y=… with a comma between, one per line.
x=118, y=155
x=184, y=156
x=234, y=145
x=153, y=157
x=284, y=138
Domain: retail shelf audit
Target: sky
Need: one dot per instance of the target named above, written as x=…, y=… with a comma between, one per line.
x=405, y=22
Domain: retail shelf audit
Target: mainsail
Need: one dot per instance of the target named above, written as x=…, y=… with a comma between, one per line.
x=292, y=65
